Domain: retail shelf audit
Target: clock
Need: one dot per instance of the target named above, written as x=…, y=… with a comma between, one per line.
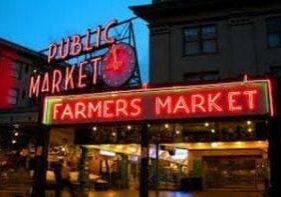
x=118, y=64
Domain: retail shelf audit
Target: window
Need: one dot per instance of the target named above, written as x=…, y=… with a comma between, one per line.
x=26, y=68
x=276, y=71
x=273, y=28
x=200, y=40
x=16, y=70
x=13, y=95
x=23, y=94
x=202, y=76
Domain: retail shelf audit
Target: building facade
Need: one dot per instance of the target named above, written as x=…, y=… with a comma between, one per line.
x=211, y=41
x=139, y=138
x=19, y=114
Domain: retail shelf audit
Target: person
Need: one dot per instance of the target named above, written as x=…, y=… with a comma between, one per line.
x=62, y=176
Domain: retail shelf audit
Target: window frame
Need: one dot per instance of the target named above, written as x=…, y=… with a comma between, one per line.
x=16, y=97
x=200, y=40
x=268, y=32
x=201, y=76
x=18, y=70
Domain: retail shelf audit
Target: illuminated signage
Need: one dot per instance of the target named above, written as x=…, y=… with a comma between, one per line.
x=107, y=153
x=180, y=154
x=181, y=102
x=77, y=44
x=113, y=67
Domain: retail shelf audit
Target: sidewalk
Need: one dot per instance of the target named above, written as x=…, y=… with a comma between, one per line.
x=131, y=193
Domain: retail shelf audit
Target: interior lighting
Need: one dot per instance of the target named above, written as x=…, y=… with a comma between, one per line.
x=206, y=124
x=249, y=122
x=129, y=127
x=250, y=130
x=166, y=126
x=94, y=128
x=113, y=134
x=214, y=145
x=177, y=132
x=16, y=134
x=213, y=130
x=107, y=153
x=14, y=141
x=16, y=126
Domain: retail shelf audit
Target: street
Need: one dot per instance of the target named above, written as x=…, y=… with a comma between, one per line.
x=131, y=193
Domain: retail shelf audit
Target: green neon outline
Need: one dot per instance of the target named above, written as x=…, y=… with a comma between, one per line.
x=47, y=109
x=44, y=111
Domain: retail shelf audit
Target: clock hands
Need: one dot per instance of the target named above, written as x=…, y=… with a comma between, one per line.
x=116, y=65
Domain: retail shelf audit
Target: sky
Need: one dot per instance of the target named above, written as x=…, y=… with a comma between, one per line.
x=35, y=24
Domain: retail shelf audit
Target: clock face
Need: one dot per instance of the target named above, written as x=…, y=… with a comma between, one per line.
x=118, y=64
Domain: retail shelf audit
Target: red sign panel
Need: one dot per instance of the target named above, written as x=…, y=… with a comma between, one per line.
x=181, y=102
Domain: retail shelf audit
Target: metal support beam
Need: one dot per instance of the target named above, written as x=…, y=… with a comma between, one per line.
x=41, y=155
x=144, y=173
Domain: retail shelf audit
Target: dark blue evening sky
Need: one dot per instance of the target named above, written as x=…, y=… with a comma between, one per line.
x=35, y=24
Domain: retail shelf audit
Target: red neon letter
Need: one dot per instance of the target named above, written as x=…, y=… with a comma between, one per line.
x=106, y=37
x=56, y=111
x=107, y=108
x=69, y=78
x=82, y=75
x=46, y=83
x=52, y=52
x=94, y=109
x=76, y=45
x=64, y=48
x=159, y=104
x=197, y=101
x=250, y=94
x=121, y=107
x=67, y=112
x=98, y=34
x=80, y=109
x=88, y=46
x=181, y=105
x=57, y=77
x=136, y=105
x=232, y=101
x=95, y=62
x=212, y=99
x=34, y=86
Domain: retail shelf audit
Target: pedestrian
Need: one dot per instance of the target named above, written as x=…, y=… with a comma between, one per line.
x=62, y=175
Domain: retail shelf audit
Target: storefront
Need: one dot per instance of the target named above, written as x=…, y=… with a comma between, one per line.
x=215, y=133
x=117, y=134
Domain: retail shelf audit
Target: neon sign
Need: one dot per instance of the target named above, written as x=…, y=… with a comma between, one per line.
x=76, y=44
x=212, y=100
x=114, y=68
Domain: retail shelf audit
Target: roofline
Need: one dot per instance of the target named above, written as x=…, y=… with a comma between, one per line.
x=152, y=12
x=22, y=49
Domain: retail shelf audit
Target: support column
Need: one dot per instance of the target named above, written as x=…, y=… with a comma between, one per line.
x=274, y=140
x=83, y=174
x=274, y=155
x=157, y=167
x=143, y=192
x=124, y=171
x=41, y=155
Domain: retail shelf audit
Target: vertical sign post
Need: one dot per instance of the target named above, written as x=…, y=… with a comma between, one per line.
x=41, y=154
x=143, y=191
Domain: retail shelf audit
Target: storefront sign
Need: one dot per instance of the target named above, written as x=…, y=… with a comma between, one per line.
x=114, y=67
x=77, y=44
x=182, y=102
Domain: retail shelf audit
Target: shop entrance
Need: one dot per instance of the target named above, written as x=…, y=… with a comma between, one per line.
x=234, y=172
x=224, y=155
